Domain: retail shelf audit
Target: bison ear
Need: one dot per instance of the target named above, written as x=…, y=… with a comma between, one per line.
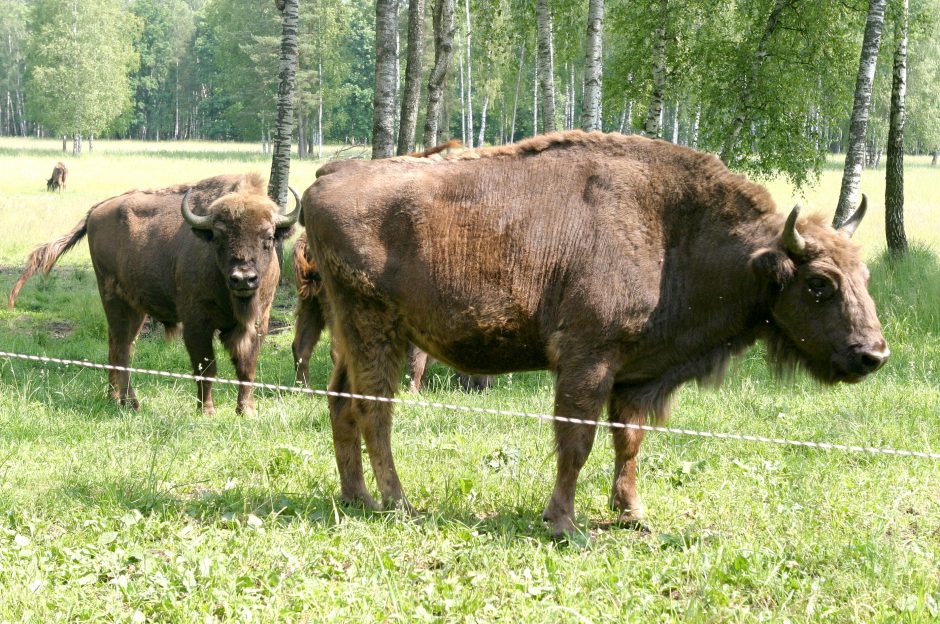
x=773, y=265
x=282, y=233
x=205, y=235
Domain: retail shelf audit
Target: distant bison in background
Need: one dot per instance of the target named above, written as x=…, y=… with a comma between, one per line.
x=628, y=266
x=200, y=255
x=57, y=181
x=312, y=308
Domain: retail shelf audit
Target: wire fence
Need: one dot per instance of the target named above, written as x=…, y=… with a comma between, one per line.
x=716, y=435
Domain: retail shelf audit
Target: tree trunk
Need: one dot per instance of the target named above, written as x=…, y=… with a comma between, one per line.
x=64, y=143
x=443, y=49
x=320, y=108
x=301, y=138
x=693, y=138
x=936, y=157
x=675, y=123
x=515, y=101
x=469, y=59
x=535, y=94
x=593, y=67
x=284, y=127
x=383, y=103
x=76, y=145
x=653, y=126
x=486, y=102
x=411, y=97
x=463, y=93
x=894, y=177
x=855, y=150
x=546, y=66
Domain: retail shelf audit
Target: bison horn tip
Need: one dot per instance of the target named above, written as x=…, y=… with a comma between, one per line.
x=792, y=239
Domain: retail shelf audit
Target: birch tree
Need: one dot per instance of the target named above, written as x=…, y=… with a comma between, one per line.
x=750, y=83
x=546, y=64
x=411, y=96
x=81, y=60
x=593, y=67
x=443, y=51
x=894, y=175
x=284, y=126
x=654, y=115
x=386, y=64
x=855, y=152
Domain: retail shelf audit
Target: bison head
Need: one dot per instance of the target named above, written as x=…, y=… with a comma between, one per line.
x=243, y=227
x=822, y=316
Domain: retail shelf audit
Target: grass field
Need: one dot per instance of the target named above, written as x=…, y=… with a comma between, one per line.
x=168, y=515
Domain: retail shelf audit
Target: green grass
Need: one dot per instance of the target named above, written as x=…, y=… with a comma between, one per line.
x=169, y=515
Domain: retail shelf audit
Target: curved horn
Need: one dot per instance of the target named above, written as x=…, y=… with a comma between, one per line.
x=848, y=228
x=287, y=220
x=791, y=238
x=197, y=222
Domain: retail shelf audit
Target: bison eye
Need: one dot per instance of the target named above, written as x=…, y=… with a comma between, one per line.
x=819, y=287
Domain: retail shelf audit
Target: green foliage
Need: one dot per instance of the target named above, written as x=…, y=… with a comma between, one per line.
x=80, y=56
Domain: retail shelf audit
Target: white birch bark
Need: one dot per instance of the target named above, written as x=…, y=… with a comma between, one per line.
x=855, y=150
x=593, y=67
x=546, y=66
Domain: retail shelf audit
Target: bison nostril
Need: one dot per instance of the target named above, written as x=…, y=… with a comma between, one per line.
x=873, y=360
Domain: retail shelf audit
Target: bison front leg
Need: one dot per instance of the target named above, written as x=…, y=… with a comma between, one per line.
x=244, y=352
x=580, y=392
x=124, y=323
x=198, y=343
x=623, y=497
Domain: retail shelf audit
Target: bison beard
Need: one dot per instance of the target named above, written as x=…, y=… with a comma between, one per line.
x=627, y=266
x=209, y=268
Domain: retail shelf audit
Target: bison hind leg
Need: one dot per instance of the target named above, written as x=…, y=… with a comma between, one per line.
x=124, y=323
x=371, y=340
x=171, y=330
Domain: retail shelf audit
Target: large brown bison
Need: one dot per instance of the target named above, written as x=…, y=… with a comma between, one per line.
x=312, y=308
x=200, y=255
x=628, y=266
x=57, y=181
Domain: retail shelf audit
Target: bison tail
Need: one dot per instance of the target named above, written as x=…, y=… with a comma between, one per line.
x=306, y=273
x=44, y=257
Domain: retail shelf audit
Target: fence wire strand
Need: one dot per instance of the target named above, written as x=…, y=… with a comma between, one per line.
x=716, y=435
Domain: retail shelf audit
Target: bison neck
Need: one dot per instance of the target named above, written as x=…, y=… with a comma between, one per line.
x=710, y=308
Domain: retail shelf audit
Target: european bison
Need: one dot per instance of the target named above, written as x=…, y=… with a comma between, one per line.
x=57, y=181
x=311, y=310
x=628, y=266
x=200, y=255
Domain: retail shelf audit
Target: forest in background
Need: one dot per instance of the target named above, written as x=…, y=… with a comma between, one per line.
x=767, y=83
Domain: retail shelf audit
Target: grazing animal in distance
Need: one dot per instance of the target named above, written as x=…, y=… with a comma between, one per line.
x=201, y=255
x=625, y=265
x=57, y=181
x=312, y=308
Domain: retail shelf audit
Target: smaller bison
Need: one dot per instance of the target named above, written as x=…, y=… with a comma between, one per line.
x=57, y=181
x=201, y=255
x=312, y=311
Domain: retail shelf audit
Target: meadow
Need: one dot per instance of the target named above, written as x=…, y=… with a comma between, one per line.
x=166, y=514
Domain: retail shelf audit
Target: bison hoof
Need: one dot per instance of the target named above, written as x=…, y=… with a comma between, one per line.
x=402, y=504
x=361, y=501
x=246, y=410
x=130, y=402
x=561, y=525
x=629, y=520
x=208, y=409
